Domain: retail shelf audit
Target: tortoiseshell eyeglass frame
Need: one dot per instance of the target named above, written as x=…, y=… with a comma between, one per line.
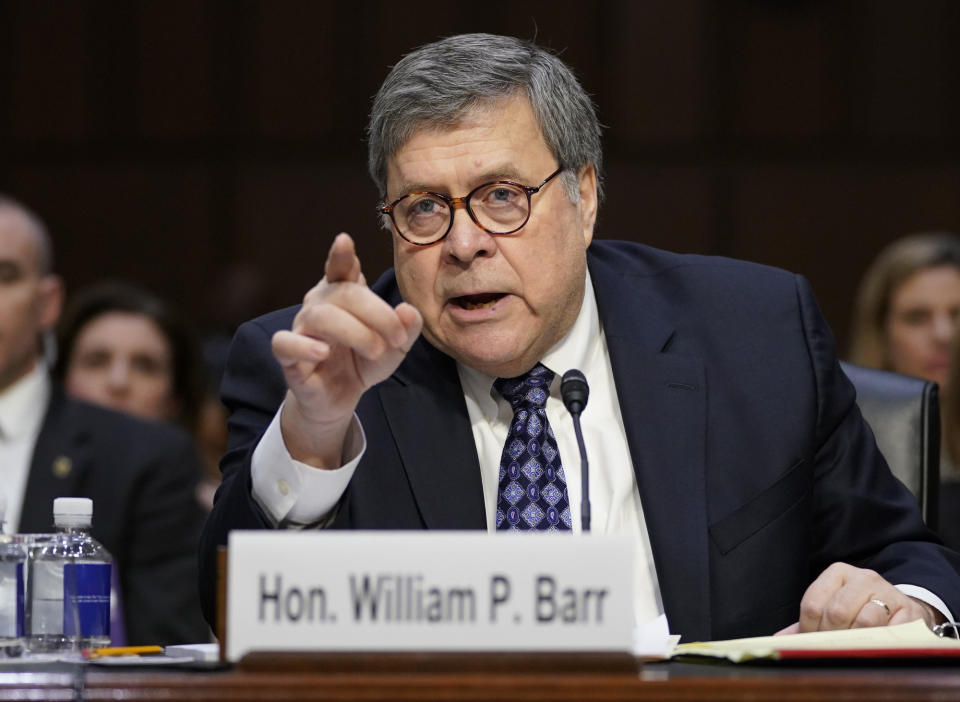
x=454, y=202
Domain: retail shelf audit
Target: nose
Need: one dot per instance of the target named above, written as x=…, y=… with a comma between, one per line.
x=466, y=239
x=944, y=327
x=118, y=377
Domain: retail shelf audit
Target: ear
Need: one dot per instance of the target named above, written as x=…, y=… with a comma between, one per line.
x=50, y=301
x=588, y=201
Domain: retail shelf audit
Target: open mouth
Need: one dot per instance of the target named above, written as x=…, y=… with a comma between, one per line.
x=477, y=302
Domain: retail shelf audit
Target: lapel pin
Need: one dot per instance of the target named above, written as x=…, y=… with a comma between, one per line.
x=62, y=465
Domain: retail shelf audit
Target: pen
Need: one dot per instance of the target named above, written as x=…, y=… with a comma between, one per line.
x=122, y=651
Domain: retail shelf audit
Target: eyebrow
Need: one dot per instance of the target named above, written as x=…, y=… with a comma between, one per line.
x=502, y=173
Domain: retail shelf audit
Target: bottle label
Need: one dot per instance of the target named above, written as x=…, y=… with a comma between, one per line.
x=21, y=600
x=86, y=599
x=11, y=600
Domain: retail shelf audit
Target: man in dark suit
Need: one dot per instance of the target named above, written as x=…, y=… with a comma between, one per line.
x=140, y=476
x=727, y=440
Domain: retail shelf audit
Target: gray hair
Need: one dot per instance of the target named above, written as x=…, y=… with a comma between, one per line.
x=44, y=246
x=437, y=84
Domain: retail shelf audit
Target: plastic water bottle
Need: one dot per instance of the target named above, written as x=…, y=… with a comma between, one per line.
x=68, y=588
x=13, y=561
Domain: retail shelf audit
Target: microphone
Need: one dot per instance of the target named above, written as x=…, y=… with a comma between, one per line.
x=574, y=391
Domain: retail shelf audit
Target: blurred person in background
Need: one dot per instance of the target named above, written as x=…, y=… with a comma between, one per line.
x=121, y=346
x=907, y=307
x=906, y=320
x=140, y=475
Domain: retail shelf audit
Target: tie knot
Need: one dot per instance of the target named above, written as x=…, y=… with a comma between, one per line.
x=530, y=389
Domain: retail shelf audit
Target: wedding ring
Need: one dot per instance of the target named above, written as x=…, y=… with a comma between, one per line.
x=883, y=604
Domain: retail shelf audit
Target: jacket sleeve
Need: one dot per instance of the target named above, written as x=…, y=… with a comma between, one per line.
x=862, y=514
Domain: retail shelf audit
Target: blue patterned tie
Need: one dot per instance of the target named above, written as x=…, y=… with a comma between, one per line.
x=533, y=488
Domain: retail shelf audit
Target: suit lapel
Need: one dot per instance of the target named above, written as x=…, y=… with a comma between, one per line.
x=424, y=405
x=59, y=461
x=663, y=403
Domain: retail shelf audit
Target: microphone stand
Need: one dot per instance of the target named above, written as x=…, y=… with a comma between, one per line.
x=575, y=391
x=584, y=476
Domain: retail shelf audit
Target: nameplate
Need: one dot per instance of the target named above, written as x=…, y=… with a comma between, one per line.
x=427, y=591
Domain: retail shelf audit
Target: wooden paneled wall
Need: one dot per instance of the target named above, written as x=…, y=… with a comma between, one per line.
x=164, y=140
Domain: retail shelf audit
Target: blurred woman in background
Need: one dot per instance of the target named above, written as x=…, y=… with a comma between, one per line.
x=121, y=346
x=908, y=306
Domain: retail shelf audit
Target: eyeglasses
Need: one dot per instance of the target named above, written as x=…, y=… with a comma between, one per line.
x=501, y=207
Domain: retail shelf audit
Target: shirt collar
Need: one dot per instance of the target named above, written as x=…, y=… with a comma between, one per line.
x=22, y=405
x=572, y=351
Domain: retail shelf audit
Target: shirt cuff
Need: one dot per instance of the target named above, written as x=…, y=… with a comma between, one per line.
x=924, y=595
x=292, y=492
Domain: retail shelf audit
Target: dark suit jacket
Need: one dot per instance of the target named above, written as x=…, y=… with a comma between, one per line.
x=141, y=477
x=754, y=466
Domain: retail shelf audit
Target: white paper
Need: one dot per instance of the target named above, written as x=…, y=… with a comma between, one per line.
x=653, y=639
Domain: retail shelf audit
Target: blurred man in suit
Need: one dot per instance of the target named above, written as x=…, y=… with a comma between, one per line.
x=725, y=439
x=140, y=475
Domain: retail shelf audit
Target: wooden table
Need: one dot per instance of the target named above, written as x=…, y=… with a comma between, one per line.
x=659, y=681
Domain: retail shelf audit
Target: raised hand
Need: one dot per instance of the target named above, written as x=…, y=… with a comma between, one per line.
x=344, y=339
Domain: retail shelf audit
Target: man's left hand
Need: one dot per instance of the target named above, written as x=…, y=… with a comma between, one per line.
x=846, y=597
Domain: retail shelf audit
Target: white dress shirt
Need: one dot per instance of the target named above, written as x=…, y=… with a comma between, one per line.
x=614, y=498
x=22, y=408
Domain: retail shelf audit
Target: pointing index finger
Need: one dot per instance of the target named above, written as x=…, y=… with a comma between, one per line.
x=342, y=263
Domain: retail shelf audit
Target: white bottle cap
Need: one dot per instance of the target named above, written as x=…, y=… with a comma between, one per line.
x=72, y=511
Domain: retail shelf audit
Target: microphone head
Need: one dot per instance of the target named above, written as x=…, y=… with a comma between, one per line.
x=574, y=390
